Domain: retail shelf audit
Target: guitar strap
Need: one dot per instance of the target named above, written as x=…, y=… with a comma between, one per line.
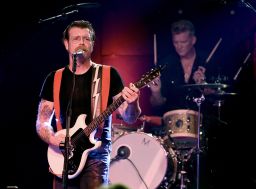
x=56, y=97
x=99, y=95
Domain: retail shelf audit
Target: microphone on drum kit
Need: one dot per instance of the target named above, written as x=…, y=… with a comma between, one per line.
x=123, y=152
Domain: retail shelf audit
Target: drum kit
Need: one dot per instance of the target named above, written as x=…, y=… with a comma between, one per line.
x=143, y=161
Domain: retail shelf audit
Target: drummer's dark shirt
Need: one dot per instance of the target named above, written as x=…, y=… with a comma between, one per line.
x=173, y=84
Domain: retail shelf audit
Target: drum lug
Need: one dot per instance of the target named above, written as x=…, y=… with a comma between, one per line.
x=170, y=131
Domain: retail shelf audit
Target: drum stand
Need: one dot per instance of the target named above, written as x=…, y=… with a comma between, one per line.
x=198, y=101
x=183, y=157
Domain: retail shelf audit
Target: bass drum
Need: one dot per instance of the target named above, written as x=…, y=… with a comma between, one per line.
x=139, y=161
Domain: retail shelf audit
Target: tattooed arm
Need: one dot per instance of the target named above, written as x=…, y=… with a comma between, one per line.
x=43, y=123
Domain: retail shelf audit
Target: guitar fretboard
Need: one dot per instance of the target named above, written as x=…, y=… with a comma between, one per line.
x=97, y=121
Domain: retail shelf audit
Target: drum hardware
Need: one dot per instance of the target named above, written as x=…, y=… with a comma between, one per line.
x=210, y=90
x=218, y=98
x=183, y=155
x=141, y=129
x=182, y=177
x=217, y=86
x=198, y=101
x=218, y=103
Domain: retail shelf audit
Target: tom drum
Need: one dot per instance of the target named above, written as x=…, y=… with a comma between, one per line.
x=182, y=127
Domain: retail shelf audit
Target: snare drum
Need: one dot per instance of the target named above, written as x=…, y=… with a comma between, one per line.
x=119, y=130
x=182, y=127
x=139, y=161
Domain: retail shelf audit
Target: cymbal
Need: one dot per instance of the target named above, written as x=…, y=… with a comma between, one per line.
x=222, y=94
x=207, y=85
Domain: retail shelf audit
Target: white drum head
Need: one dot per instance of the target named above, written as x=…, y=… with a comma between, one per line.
x=145, y=166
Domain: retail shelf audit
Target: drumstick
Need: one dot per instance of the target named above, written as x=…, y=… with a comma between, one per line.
x=213, y=50
x=239, y=70
x=155, y=50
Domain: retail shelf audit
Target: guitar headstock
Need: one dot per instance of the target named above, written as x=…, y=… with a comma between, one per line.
x=149, y=76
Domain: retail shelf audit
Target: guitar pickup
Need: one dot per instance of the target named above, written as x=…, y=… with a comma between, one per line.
x=62, y=147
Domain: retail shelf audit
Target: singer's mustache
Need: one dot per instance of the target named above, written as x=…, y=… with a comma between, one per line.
x=81, y=48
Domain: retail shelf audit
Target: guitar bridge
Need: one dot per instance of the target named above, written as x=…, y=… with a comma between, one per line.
x=70, y=149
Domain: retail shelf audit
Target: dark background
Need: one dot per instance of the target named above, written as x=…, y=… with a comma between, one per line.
x=124, y=29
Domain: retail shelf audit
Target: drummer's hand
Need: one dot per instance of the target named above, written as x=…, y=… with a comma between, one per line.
x=199, y=75
x=154, y=120
x=144, y=118
x=155, y=85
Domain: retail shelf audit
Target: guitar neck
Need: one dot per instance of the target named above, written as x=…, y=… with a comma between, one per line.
x=98, y=120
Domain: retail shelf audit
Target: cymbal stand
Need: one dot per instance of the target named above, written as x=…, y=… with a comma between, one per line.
x=198, y=101
x=182, y=175
x=218, y=103
x=141, y=129
x=183, y=156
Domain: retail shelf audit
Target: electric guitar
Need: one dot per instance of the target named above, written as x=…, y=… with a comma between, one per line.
x=82, y=136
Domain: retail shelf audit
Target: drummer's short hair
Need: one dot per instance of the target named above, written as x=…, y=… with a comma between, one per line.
x=181, y=26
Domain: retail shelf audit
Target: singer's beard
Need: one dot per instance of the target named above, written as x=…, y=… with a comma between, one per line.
x=82, y=60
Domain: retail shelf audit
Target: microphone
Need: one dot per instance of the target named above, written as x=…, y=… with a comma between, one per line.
x=123, y=152
x=78, y=53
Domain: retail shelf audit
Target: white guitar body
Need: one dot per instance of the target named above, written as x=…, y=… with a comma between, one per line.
x=56, y=157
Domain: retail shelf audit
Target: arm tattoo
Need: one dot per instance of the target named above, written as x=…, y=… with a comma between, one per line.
x=43, y=127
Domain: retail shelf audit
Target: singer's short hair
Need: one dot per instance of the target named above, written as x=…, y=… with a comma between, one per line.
x=79, y=24
x=182, y=26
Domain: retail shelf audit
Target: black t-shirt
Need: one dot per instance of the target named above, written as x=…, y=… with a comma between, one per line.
x=81, y=103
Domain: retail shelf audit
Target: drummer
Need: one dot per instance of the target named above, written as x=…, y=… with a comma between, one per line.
x=186, y=66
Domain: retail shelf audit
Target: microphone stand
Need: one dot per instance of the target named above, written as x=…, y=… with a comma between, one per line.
x=68, y=145
x=75, y=8
x=53, y=18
